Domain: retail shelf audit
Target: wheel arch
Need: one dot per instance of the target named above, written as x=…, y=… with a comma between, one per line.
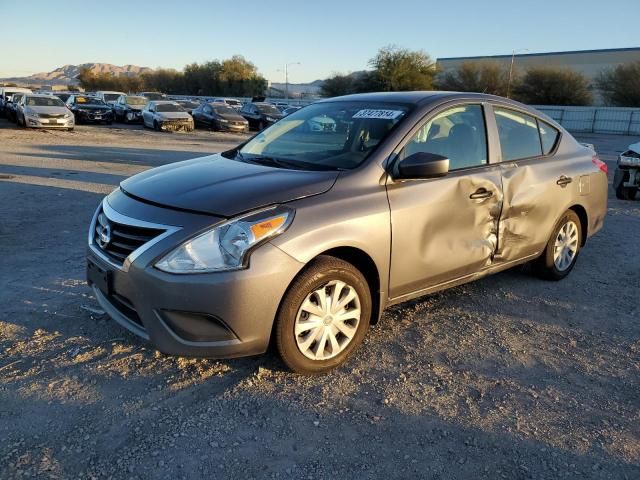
x=584, y=221
x=363, y=262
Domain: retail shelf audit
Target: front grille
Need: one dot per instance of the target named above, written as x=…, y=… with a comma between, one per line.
x=52, y=115
x=118, y=240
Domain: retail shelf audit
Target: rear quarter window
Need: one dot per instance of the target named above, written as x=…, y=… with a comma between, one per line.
x=548, y=136
x=518, y=132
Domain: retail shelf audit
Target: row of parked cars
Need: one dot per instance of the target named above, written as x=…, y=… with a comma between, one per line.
x=152, y=109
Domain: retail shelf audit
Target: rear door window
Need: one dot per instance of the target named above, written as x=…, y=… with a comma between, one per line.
x=458, y=133
x=519, y=137
x=548, y=136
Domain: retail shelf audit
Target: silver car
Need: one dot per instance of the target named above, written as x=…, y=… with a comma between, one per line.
x=166, y=115
x=304, y=237
x=43, y=111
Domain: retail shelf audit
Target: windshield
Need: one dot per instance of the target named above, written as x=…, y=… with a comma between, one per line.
x=169, y=107
x=336, y=135
x=265, y=108
x=111, y=97
x=221, y=110
x=89, y=101
x=233, y=102
x=188, y=104
x=44, y=102
x=136, y=100
x=154, y=96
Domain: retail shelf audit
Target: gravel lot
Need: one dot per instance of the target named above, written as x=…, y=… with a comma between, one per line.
x=509, y=377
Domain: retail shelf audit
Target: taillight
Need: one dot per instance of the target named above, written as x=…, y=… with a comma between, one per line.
x=600, y=164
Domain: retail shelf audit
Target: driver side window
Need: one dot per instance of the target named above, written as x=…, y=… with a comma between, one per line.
x=458, y=133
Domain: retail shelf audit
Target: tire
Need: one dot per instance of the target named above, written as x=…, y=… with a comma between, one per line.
x=260, y=126
x=156, y=126
x=70, y=129
x=550, y=267
x=330, y=273
x=626, y=193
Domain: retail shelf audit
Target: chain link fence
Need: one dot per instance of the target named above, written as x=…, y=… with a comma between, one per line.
x=621, y=121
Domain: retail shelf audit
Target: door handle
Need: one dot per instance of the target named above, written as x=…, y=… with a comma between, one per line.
x=481, y=193
x=563, y=181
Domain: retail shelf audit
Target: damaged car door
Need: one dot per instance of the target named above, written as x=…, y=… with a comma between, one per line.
x=539, y=184
x=444, y=229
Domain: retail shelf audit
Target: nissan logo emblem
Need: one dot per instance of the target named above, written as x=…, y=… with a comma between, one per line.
x=103, y=231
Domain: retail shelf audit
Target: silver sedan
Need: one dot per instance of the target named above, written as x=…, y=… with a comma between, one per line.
x=164, y=115
x=43, y=111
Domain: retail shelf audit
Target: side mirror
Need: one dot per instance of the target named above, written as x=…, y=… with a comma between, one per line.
x=423, y=165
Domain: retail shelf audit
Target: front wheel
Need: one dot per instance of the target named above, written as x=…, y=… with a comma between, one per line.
x=323, y=317
x=561, y=253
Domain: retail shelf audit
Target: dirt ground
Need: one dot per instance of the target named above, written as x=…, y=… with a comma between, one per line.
x=508, y=377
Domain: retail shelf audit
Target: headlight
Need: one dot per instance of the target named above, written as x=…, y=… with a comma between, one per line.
x=222, y=120
x=31, y=113
x=67, y=115
x=271, y=119
x=227, y=246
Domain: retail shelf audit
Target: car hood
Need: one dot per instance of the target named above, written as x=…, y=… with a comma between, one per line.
x=49, y=110
x=135, y=108
x=176, y=115
x=94, y=108
x=219, y=186
x=231, y=117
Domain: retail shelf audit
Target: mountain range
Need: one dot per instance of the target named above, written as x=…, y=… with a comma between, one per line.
x=67, y=74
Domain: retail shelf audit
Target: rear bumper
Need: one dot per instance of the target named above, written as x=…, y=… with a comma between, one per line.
x=216, y=315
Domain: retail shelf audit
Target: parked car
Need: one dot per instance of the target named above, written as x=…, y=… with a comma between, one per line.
x=89, y=109
x=626, y=180
x=219, y=117
x=290, y=110
x=166, y=115
x=188, y=105
x=10, y=107
x=109, y=97
x=6, y=92
x=260, y=115
x=43, y=111
x=153, y=95
x=128, y=108
x=290, y=234
x=230, y=102
x=64, y=96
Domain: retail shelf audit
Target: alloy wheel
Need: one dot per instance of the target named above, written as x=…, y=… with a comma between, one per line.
x=566, y=246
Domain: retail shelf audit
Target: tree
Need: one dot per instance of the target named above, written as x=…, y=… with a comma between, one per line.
x=337, y=85
x=482, y=77
x=553, y=86
x=398, y=69
x=620, y=86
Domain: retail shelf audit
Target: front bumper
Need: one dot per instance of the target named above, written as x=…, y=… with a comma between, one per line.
x=133, y=116
x=176, y=125
x=38, y=122
x=94, y=116
x=228, y=127
x=217, y=315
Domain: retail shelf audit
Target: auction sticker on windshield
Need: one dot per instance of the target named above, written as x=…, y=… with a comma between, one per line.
x=382, y=114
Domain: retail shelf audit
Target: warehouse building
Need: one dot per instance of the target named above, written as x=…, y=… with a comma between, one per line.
x=588, y=62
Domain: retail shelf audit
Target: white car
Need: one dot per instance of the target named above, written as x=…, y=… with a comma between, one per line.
x=44, y=111
x=109, y=97
x=165, y=115
x=322, y=124
x=229, y=102
x=6, y=92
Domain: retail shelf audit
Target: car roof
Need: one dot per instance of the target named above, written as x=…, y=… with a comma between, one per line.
x=416, y=98
x=40, y=95
x=163, y=102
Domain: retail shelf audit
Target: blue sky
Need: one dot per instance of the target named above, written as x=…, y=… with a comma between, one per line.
x=326, y=36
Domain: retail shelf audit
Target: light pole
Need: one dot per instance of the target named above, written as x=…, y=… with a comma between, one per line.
x=286, y=79
x=513, y=58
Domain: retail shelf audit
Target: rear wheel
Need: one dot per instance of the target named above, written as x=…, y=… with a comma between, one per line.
x=323, y=317
x=561, y=252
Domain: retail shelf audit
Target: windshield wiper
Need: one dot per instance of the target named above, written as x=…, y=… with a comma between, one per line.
x=285, y=163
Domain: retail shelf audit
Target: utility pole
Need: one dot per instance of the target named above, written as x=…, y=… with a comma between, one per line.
x=286, y=79
x=513, y=58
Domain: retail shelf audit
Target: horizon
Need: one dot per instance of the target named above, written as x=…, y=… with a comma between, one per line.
x=323, y=42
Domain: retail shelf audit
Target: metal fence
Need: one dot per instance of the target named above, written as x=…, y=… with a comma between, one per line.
x=621, y=121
